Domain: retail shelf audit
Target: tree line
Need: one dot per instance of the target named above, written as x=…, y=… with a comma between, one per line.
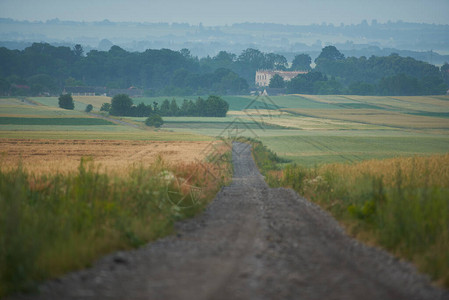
x=122, y=105
x=389, y=75
x=46, y=69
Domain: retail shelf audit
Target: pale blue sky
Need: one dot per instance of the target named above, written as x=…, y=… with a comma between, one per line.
x=212, y=12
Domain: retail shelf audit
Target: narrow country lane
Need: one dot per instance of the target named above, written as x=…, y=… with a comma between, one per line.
x=252, y=242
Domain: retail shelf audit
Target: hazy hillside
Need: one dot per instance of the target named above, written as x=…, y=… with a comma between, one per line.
x=427, y=42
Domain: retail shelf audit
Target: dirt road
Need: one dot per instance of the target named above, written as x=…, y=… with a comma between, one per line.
x=253, y=242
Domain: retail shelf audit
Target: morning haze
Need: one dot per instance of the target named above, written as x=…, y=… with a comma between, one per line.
x=231, y=11
x=241, y=149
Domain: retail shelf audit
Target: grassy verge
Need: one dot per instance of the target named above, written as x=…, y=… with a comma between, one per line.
x=400, y=204
x=51, y=224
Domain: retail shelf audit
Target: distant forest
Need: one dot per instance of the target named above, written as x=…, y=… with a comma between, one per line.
x=427, y=42
x=43, y=69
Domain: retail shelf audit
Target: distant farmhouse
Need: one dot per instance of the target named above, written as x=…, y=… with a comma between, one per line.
x=85, y=90
x=101, y=91
x=263, y=77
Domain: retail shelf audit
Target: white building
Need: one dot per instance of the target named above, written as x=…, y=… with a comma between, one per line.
x=263, y=77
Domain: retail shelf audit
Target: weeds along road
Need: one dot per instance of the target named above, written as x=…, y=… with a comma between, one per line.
x=252, y=242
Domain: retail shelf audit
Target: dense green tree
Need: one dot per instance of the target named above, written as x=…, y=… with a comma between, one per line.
x=362, y=88
x=216, y=107
x=89, y=108
x=66, y=101
x=5, y=86
x=301, y=62
x=78, y=50
x=188, y=108
x=277, y=82
x=327, y=87
x=306, y=83
x=143, y=110
x=105, y=107
x=155, y=107
x=165, y=108
x=275, y=61
x=121, y=105
x=154, y=120
x=399, y=85
x=73, y=82
x=174, y=109
x=330, y=53
x=42, y=83
x=445, y=73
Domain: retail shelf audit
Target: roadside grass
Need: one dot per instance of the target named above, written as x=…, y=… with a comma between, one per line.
x=400, y=204
x=54, y=223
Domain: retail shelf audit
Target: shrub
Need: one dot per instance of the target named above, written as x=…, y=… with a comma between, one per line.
x=66, y=101
x=89, y=108
x=105, y=107
x=154, y=120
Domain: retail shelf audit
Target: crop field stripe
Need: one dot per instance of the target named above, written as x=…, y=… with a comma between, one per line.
x=54, y=121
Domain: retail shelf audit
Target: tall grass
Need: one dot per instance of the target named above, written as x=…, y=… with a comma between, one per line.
x=51, y=224
x=401, y=204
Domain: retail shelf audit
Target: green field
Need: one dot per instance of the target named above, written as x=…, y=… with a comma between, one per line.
x=314, y=130
x=54, y=121
x=306, y=129
x=41, y=118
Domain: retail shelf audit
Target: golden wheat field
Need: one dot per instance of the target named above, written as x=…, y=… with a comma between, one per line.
x=430, y=170
x=50, y=156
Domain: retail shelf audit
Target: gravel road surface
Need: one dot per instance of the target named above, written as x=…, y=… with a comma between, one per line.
x=252, y=242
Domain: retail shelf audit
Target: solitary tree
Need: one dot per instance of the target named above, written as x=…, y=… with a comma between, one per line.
x=89, y=108
x=277, y=82
x=154, y=120
x=330, y=53
x=66, y=101
x=121, y=105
